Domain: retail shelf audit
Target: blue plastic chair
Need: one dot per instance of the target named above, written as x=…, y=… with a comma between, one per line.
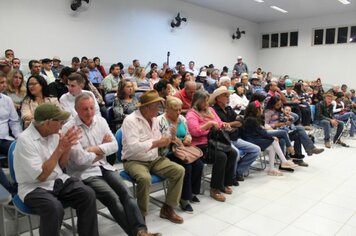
x=20, y=205
x=109, y=99
x=155, y=179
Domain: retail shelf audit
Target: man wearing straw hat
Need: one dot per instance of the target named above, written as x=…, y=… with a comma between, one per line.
x=141, y=140
x=326, y=119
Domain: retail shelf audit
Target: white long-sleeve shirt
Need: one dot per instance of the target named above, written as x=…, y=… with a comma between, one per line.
x=67, y=101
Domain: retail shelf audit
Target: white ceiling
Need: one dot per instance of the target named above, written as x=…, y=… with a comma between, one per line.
x=261, y=12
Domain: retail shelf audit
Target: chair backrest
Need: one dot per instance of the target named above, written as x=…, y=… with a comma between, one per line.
x=11, y=160
x=109, y=99
x=118, y=137
x=110, y=115
x=313, y=110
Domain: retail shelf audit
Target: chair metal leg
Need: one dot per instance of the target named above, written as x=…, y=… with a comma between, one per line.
x=30, y=224
x=73, y=223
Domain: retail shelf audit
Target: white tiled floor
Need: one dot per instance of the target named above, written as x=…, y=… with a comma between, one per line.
x=318, y=200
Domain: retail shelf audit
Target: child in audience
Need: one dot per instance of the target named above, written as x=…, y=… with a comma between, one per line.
x=287, y=116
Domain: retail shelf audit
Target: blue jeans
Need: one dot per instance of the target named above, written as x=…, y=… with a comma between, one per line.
x=326, y=125
x=344, y=117
x=251, y=153
x=303, y=139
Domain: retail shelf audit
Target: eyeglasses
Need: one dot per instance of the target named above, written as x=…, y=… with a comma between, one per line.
x=32, y=84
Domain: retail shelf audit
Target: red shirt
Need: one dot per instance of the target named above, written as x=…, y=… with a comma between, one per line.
x=182, y=95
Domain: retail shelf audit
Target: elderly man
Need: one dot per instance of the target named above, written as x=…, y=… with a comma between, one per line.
x=88, y=162
x=39, y=158
x=141, y=140
x=186, y=95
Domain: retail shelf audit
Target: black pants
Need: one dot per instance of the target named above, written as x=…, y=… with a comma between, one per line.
x=114, y=194
x=192, y=176
x=49, y=206
x=223, y=167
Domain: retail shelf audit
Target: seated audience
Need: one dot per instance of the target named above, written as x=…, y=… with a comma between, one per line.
x=94, y=74
x=99, y=67
x=59, y=87
x=186, y=95
x=238, y=100
x=75, y=87
x=154, y=79
x=303, y=101
x=200, y=119
x=88, y=162
x=76, y=64
x=9, y=121
x=111, y=82
x=140, y=82
x=57, y=66
x=16, y=64
x=125, y=101
x=163, y=88
x=43, y=186
x=254, y=133
x=343, y=113
x=88, y=85
x=35, y=69
x=16, y=88
x=175, y=81
x=141, y=140
x=192, y=69
x=180, y=136
x=130, y=72
x=247, y=86
x=220, y=99
x=83, y=62
x=47, y=71
x=326, y=119
x=37, y=93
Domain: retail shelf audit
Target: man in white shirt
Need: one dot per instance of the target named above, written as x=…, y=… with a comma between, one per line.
x=192, y=69
x=47, y=70
x=88, y=162
x=75, y=87
x=38, y=161
x=141, y=140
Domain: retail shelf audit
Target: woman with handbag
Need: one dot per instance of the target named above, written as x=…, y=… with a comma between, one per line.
x=200, y=119
x=182, y=151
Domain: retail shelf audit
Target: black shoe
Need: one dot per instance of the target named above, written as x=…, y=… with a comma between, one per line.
x=195, y=199
x=300, y=163
x=240, y=178
x=297, y=156
x=187, y=208
x=286, y=169
x=315, y=151
x=235, y=182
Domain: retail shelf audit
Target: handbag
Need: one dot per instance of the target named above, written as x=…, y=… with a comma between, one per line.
x=187, y=154
x=219, y=139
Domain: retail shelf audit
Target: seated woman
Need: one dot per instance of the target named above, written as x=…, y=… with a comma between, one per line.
x=300, y=137
x=37, y=93
x=16, y=89
x=238, y=100
x=200, y=118
x=193, y=171
x=140, y=82
x=343, y=113
x=175, y=81
x=125, y=101
x=90, y=87
x=254, y=132
x=153, y=78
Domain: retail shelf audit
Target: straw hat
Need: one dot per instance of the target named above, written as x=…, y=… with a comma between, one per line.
x=149, y=97
x=217, y=92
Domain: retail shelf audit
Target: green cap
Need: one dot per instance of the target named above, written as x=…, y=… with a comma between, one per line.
x=288, y=83
x=49, y=111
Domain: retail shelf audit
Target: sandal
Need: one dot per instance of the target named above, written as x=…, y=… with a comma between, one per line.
x=227, y=190
x=216, y=194
x=274, y=172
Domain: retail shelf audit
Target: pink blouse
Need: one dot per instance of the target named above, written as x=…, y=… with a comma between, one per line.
x=195, y=121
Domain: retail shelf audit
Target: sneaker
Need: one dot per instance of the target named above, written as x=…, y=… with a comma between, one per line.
x=187, y=208
x=315, y=151
x=327, y=144
x=195, y=199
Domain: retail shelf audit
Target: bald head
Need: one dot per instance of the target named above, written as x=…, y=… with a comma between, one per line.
x=190, y=88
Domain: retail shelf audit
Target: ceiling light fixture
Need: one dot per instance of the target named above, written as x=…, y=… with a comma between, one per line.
x=279, y=9
x=344, y=2
x=260, y=1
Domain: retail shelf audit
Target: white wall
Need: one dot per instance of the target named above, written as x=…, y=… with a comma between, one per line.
x=334, y=64
x=124, y=30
